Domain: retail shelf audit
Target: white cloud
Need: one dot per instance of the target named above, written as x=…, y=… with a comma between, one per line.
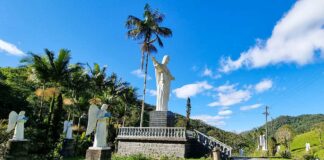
x=10, y=48
x=229, y=95
x=263, y=85
x=209, y=73
x=297, y=38
x=211, y=120
x=152, y=92
x=193, y=89
x=226, y=88
x=225, y=112
x=250, y=107
x=231, y=98
x=140, y=74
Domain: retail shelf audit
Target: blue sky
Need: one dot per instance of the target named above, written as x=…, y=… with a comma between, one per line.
x=231, y=57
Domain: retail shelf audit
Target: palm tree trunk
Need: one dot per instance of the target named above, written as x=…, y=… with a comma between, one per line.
x=41, y=102
x=144, y=90
x=124, y=118
x=142, y=61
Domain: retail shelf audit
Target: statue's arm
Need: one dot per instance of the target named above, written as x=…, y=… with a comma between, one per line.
x=157, y=65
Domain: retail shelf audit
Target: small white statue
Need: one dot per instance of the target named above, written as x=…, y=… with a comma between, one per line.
x=262, y=143
x=17, y=121
x=68, y=129
x=278, y=148
x=307, y=145
x=163, y=82
x=97, y=118
x=241, y=152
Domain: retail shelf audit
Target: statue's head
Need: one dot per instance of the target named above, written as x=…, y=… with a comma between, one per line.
x=166, y=59
x=104, y=107
x=22, y=113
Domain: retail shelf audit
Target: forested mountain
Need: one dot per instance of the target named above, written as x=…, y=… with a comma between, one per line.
x=300, y=124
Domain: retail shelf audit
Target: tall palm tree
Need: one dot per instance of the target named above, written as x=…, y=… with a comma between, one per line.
x=98, y=78
x=148, y=31
x=55, y=71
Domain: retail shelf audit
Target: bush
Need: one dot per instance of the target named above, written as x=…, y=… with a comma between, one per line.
x=4, y=137
x=83, y=142
x=311, y=157
x=132, y=157
x=285, y=154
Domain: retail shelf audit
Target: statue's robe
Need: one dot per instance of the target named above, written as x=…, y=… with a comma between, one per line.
x=163, y=81
x=101, y=130
x=19, y=129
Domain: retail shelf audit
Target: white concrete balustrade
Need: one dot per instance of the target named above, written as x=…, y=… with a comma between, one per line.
x=152, y=132
x=211, y=143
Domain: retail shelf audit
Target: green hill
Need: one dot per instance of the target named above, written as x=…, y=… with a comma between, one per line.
x=301, y=125
x=298, y=145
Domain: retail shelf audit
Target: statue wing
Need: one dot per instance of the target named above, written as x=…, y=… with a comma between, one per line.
x=92, y=119
x=65, y=126
x=13, y=116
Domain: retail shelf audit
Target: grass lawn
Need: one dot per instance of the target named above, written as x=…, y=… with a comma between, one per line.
x=298, y=145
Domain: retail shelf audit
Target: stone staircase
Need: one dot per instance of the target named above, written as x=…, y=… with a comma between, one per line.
x=210, y=143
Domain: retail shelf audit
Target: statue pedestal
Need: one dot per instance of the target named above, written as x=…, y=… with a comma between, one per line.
x=94, y=153
x=68, y=148
x=161, y=119
x=17, y=150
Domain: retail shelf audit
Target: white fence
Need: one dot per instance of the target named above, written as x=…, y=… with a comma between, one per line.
x=152, y=132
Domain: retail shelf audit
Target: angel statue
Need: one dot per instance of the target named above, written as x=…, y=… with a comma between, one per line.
x=97, y=118
x=68, y=129
x=17, y=121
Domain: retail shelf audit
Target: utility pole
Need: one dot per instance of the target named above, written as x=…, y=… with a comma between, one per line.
x=266, y=113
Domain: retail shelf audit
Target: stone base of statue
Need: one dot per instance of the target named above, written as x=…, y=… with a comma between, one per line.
x=96, y=153
x=68, y=148
x=17, y=150
x=161, y=119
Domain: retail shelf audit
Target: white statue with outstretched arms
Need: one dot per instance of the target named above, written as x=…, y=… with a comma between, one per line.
x=17, y=121
x=68, y=129
x=163, y=82
x=97, y=119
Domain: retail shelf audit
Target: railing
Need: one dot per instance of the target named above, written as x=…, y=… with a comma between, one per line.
x=211, y=143
x=152, y=132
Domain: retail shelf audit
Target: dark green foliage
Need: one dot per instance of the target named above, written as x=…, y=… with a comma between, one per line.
x=83, y=142
x=4, y=137
x=273, y=146
x=58, y=117
x=188, y=111
x=14, y=90
x=132, y=157
x=310, y=157
x=285, y=154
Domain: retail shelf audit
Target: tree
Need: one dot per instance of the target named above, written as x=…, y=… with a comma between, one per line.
x=98, y=78
x=148, y=31
x=188, y=113
x=284, y=135
x=319, y=127
x=56, y=71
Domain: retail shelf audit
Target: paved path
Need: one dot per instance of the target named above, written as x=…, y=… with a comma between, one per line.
x=250, y=158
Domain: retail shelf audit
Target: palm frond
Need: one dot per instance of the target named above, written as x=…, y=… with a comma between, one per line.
x=164, y=31
x=132, y=22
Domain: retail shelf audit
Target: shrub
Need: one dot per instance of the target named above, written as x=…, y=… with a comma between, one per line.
x=132, y=157
x=311, y=157
x=4, y=137
x=83, y=142
x=285, y=154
